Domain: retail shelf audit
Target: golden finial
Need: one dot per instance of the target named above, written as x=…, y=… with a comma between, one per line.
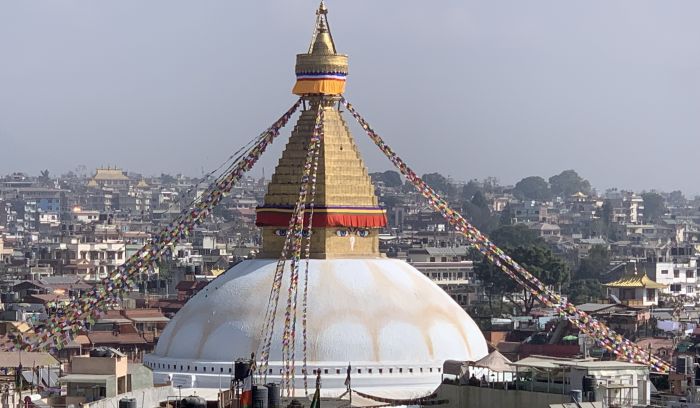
x=321, y=70
x=322, y=9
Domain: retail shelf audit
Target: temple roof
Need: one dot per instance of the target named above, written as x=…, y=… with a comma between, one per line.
x=109, y=174
x=636, y=281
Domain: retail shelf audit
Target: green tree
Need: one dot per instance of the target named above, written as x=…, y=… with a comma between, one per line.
x=532, y=188
x=515, y=235
x=470, y=189
x=595, y=264
x=677, y=199
x=167, y=179
x=478, y=212
x=530, y=252
x=568, y=182
x=654, y=207
x=585, y=291
x=439, y=183
x=390, y=178
x=45, y=178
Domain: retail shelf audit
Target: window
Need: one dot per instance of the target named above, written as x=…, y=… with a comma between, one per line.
x=676, y=273
x=432, y=259
x=381, y=370
x=359, y=371
x=337, y=370
x=676, y=287
x=690, y=289
x=664, y=271
x=651, y=295
x=391, y=371
x=689, y=273
x=325, y=371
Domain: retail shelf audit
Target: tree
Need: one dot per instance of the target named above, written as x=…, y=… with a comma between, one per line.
x=584, y=291
x=538, y=260
x=568, y=182
x=478, y=212
x=470, y=189
x=677, y=199
x=532, y=188
x=438, y=182
x=390, y=178
x=654, y=206
x=595, y=264
x=530, y=252
x=515, y=235
x=167, y=179
x=45, y=178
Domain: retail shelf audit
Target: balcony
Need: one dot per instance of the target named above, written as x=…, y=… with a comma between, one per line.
x=633, y=302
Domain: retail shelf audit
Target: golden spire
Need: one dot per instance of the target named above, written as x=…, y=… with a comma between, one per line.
x=346, y=212
x=322, y=40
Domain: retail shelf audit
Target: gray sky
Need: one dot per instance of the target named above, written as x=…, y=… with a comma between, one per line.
x=467, y=88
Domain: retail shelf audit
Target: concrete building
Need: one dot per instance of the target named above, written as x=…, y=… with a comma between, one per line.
x=104, y=373
x=528, y=211
x=541, y=381
x=680, y=278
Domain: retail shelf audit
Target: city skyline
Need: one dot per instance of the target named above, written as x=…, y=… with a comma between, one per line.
x=608, y=90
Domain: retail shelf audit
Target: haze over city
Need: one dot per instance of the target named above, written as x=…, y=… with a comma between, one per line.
x=469, y=89
x=471, y=203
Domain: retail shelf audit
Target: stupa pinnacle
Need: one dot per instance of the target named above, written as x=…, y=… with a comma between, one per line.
x=346, y=211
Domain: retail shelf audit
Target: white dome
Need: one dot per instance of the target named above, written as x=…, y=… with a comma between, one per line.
x=379, y=314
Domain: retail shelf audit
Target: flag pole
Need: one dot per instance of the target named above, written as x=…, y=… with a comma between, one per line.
x=348, y=384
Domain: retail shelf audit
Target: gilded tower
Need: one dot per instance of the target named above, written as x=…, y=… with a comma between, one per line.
x=346, y=213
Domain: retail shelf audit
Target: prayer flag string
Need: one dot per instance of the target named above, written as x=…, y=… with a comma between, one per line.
x=81, y=312
x=604, y=336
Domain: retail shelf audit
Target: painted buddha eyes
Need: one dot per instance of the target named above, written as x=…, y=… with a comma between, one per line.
x=283, y=233
x=362, y=233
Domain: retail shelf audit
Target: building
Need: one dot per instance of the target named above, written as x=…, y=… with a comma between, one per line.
x=107, y=177
x=449, y=268
x=528, y=211
x=541, y=381
x=394, y=325
x=636, y=290
x=104, y=373
x=680, y=277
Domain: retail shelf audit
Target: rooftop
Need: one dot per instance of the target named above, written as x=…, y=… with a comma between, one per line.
x=636, y=281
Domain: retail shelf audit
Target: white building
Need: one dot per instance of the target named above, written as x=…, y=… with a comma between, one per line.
x=681, y=278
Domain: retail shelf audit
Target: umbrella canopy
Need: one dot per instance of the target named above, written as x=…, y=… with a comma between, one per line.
x=495, y=362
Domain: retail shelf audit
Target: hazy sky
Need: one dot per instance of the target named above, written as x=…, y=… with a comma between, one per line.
x=467, y=88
